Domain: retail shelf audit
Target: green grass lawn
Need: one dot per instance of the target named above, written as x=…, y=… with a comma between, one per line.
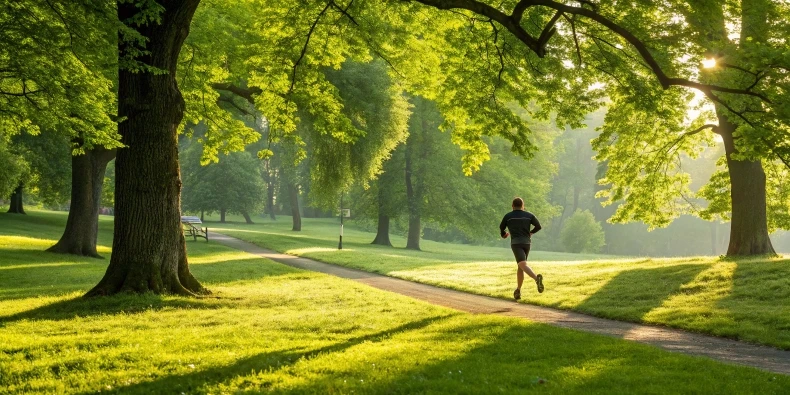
x=272, y=328
x=744, y=299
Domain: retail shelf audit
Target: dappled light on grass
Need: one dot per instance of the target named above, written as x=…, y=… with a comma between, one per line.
x=663, y=291
x=696, y=301
x=634, y=292
x=41, y=265
x=269, y=327
x=24, y=243
x=222, y=257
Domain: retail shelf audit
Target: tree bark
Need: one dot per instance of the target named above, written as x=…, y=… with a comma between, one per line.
x=749, y=224
x=149, y=251
x=16, y=206
x=293, y=193
x=82, y=225
x=247, y=218
x=222, y=215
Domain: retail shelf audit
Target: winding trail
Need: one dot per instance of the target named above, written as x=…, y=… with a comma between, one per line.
x=720, y=349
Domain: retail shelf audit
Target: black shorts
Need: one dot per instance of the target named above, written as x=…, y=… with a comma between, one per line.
x=521, y=251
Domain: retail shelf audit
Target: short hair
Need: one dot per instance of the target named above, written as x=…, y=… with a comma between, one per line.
x=518, y=202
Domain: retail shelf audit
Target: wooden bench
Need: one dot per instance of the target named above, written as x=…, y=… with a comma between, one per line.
x=190, y=229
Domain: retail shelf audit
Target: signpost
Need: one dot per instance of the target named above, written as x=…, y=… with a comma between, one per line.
x=343, y=213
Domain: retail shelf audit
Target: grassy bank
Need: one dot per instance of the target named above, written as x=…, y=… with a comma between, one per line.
x=269, y=327
x=743, y=299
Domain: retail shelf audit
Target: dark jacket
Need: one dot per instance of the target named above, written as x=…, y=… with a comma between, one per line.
x=520, y=224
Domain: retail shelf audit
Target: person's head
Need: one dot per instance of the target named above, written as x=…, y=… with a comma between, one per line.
x=518, y=203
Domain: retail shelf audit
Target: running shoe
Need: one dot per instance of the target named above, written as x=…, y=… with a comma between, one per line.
x=539, y=281
x=517, y=294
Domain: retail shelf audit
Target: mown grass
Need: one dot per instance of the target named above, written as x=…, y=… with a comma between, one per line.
x=746, y=299
x=271, y=328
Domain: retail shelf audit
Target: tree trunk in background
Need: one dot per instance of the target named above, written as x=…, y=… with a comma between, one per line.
x=201, y=216
x=247, y=218
x=579, y=171
x=82, y=226
x=413, y=238
x=222, y=215
x=149, y=252
x=268, y=178
x=16, y=206
x=383, y=231
x=270, y=200
x=749, y=224
x=714, y=238
x=293, y=194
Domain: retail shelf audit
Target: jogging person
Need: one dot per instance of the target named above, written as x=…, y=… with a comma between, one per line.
x=520, y=224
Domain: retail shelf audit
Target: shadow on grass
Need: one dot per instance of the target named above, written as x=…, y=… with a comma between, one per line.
x=275, y=360
x=509, y=357
x=759, y=303
x=26, y=273
x=110, y=305
x=633, y=293
x=520, y=356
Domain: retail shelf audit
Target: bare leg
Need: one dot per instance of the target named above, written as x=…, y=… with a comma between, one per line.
x=522, y=268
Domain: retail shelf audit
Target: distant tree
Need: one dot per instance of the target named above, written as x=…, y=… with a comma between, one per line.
x=46, y=167
x=582, y=233
x=440, y=194
x=387, y=197
x=108, y=188
x=231, y=185
x=574, y=185
x=12, y=171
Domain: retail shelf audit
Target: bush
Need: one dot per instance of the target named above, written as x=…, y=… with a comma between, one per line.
x=582, y=233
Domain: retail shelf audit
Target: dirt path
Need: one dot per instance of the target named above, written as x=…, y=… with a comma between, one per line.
x=724, y=350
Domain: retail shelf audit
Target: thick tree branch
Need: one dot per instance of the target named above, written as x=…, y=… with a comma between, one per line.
x=245, y=93
x=644, y=52
x=225, y=99
x=549, y=30
x=512, y=24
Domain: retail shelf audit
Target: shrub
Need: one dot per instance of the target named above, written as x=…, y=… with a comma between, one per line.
x=582, y=233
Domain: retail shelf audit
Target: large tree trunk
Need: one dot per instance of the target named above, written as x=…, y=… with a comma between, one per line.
x=247, y=218
x=222, y=215
x=82, y=226
x=149, y=253
x=293, y=193
x=749, y=224
x=16, y=206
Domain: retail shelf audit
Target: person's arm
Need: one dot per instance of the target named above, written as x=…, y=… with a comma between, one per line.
x=536, y=225
x=502, y=226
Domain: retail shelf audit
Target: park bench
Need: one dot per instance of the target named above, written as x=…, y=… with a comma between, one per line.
x=190, y=229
